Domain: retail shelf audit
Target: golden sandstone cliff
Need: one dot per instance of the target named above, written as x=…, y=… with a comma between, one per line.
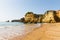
x=30, y=17
x=50, y=16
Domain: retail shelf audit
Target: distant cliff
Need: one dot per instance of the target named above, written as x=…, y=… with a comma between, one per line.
x=19, y=20
x=50, y=16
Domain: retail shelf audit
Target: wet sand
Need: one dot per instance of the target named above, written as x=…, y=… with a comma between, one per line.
x=47, y=31
x=28, y=29
x=11, y=32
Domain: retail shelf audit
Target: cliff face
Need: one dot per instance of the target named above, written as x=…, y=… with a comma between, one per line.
x=49, y=16
x=30, y=17
x=57, y=16
x=40, y=18
x=58, y=13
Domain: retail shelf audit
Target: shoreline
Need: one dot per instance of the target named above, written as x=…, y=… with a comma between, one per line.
x=9, y=32
x=20, y=37
x=28, y=29
x=45, y=32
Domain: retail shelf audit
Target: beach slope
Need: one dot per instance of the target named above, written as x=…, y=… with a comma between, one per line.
x=48, y=31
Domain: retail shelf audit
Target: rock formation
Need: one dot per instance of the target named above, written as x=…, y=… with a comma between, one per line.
x=15, y=21
x=30, y=17
x=50, y=16
x=57, y=16
x=7, y=21
x=19, y=20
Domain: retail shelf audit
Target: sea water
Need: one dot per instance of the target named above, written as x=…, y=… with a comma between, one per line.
x=13, y=29
x=10, y=23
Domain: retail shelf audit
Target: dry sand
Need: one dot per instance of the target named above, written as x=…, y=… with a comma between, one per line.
x=48, y=31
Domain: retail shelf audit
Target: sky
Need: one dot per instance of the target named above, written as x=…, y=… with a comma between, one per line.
x=16, y=9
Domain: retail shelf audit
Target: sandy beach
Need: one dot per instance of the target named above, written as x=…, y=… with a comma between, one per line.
x=47, y=31
x=16, y=32
x=28, y=28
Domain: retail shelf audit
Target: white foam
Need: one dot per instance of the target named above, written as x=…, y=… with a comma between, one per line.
x=11, y=31
x=7, y=32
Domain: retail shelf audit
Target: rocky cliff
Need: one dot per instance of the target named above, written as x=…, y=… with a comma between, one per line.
x=30, y=17
x=19, y=20
x=50, y=16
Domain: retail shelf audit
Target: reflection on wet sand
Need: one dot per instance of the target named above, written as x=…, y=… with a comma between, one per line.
x=27, y=29
x=30, y=27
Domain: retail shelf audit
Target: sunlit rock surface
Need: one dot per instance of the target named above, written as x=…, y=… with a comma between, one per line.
x=49, y=16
